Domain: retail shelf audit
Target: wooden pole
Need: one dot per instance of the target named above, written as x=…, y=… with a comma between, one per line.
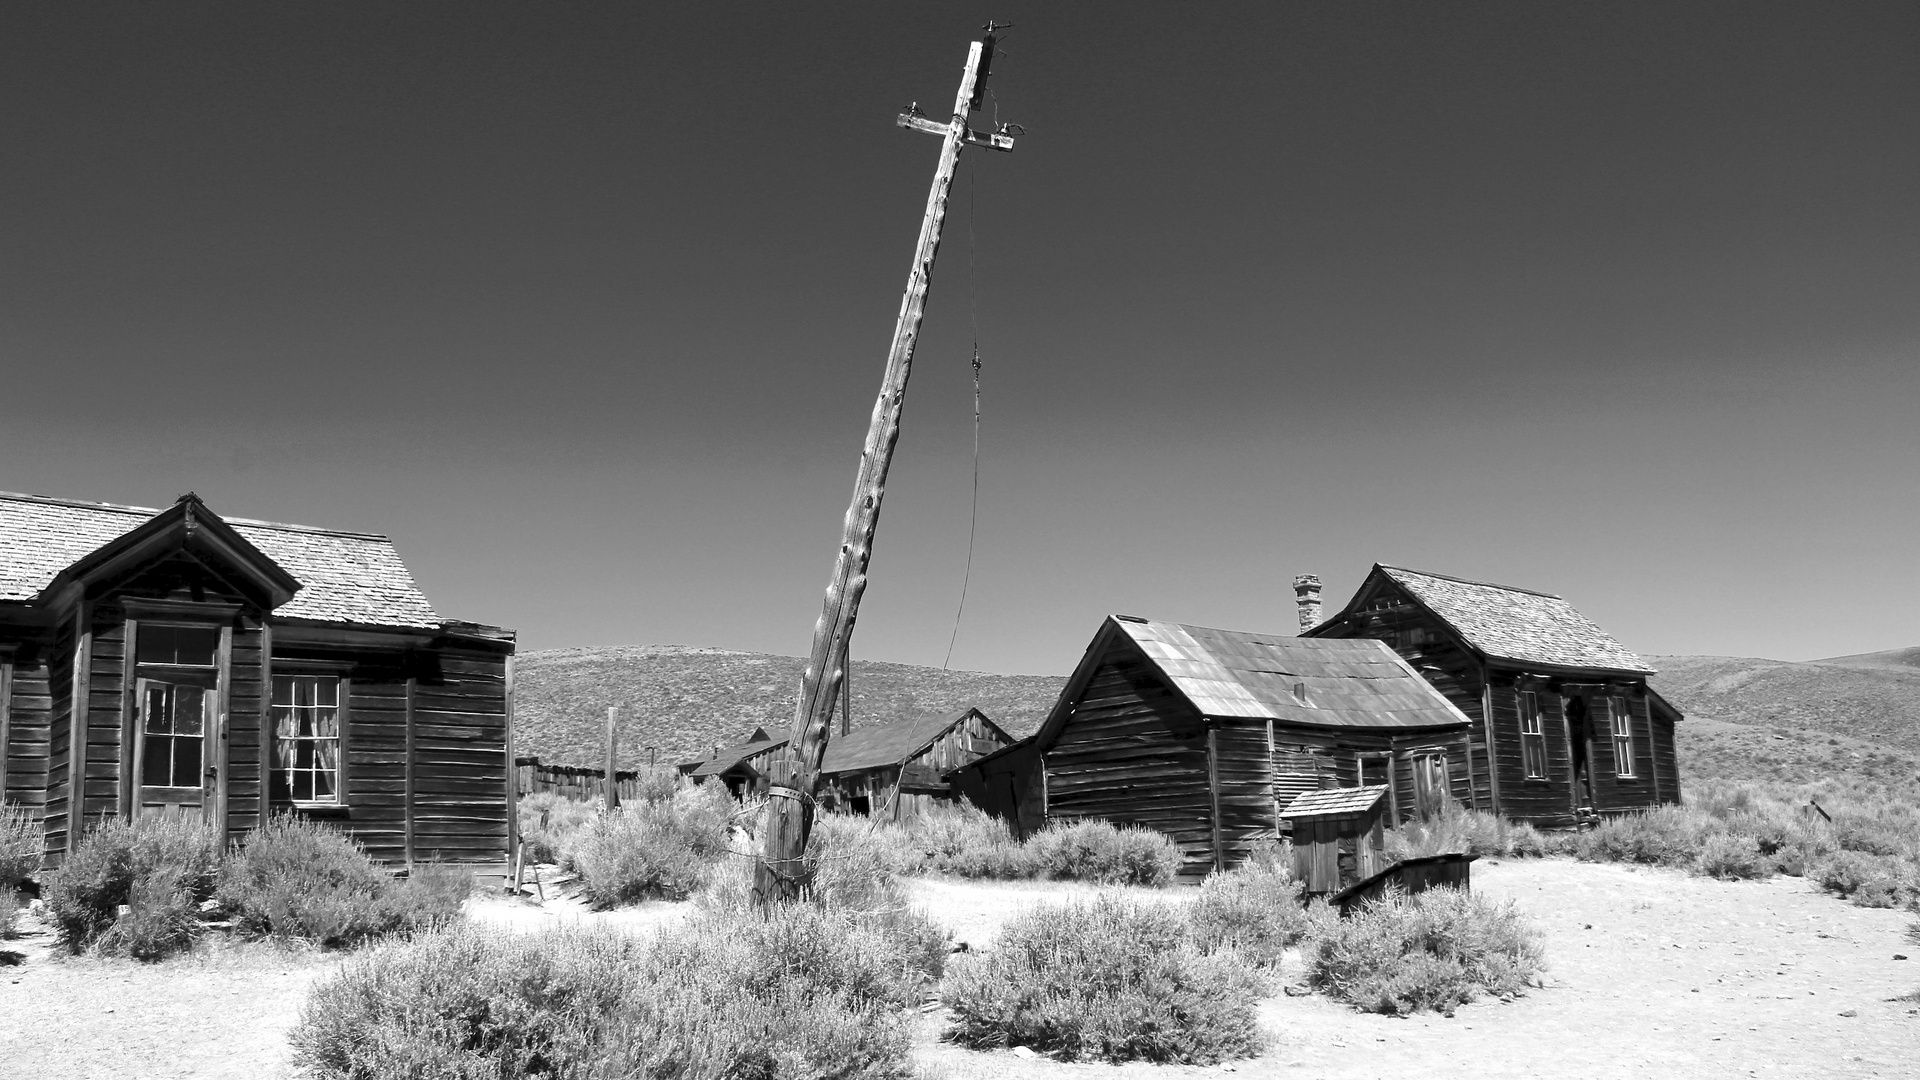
x=613, y=759
x=795, y=773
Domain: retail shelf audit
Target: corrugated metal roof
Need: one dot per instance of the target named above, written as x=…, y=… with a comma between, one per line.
x=1327, y=682
x=345, y=577
x=885, y=744
x=1328, y=801
x=1517, y=624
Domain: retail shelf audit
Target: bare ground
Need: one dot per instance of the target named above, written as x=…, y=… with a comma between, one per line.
x=1652, y=973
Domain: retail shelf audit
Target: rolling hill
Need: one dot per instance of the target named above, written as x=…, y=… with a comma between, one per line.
x=1849, y=718
x=683, y=700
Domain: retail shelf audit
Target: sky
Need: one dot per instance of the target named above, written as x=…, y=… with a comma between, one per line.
x=586, y=306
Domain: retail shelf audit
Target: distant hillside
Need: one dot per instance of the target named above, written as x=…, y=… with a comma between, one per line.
x=1855, y=717
x=683, y=699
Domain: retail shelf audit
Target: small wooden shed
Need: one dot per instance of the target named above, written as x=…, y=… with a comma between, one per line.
x=1339, y=836
x=896, y=770
x=1008, y=783
x=743, y=767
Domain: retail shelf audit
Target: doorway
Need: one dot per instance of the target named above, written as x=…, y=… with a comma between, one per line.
x=1579, y=736
x=170, y=753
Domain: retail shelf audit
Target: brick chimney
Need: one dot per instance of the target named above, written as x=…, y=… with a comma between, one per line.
x=1306, y=594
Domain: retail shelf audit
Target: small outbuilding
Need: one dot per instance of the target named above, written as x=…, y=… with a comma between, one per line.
x=1008, y=783
x=1339, y=836
x=894, y=771
x=1205, y=735
x=743, y=767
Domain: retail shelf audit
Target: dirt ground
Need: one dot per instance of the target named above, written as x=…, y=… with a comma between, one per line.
x=1652, y=973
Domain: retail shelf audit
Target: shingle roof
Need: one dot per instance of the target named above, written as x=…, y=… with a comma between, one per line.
x=1517, y=624
x=885, y=744
x=1328, y=682
x=1327, y=801
x=354, y=578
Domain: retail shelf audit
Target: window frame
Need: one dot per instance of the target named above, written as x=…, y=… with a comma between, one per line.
x=1533, y=734
x=1620, y=715
x=342, y=713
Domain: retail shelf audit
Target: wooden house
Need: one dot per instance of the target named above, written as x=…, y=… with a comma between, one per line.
x=1339, y=836
x=1205, y=735
x=1564, y=724
x=175, y=662
x=743, y=766
x=896, y=770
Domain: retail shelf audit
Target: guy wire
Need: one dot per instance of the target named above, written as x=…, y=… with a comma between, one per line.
x=973, y=515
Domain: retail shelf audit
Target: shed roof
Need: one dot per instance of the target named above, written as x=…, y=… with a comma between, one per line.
x=1521, y=625
x=345, y=577
x=887, y=744
x=1327, y=802
x=1324, y=682
x=727, y=757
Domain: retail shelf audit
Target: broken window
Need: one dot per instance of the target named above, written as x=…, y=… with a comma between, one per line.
x=306, y=738
x=1622, y=712
x=1533, y=741
x=174, y=729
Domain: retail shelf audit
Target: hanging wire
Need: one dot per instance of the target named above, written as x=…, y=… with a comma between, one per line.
x=973, y=515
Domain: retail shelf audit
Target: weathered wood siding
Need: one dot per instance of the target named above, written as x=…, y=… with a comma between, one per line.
x=1541, y=801
x=460, y=759
x=29, y=723
x=1135, y=753
x=1244, y=777
x=245, y=706
x=97, y=763
x=1666, y=760
x=59, y=740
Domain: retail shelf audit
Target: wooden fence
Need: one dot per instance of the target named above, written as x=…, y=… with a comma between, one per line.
x=582, y=782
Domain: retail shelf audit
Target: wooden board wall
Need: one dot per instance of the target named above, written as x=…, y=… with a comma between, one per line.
x=30, y=716
x=1135, y=753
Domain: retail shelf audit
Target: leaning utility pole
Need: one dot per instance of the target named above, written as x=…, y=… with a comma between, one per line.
x=795, y=772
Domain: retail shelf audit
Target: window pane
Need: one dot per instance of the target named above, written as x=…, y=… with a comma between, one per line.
x=189, y=709
x=178, y=645
x=156, y=710
x=186, y=762
x=157, y=762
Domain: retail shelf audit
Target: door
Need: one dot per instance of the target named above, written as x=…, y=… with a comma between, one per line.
x=173, y=743
x=1430, y=784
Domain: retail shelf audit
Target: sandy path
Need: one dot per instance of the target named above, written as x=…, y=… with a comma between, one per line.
x=1652, y=973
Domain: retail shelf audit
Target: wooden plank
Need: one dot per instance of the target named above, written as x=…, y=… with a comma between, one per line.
x=513, y=787
x=223, y=661
x=409, y=777
x=77, y=715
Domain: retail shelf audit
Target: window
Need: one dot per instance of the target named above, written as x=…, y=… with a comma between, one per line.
x=1373, y=770
x=177, y=692
x=1622, y=712
x=1533, y=741
x=306, y=738
x=175, y=733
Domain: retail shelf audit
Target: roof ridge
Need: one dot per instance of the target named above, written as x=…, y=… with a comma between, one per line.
x=148, y=511
x=1471, y=581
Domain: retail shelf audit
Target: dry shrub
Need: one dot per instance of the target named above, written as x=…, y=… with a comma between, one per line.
x=1255, y=911
x=1876, y=881
x=160, y=869
x=1459, y=830
x=965, y=841
x=548, y=823
x=20, y=845
x=9, y=913
x=797, y=993
x=1662, y=836
x=1433, y=950
x=1728, y=856
x=1094, y=850
x=300, y=880
x=659, y=849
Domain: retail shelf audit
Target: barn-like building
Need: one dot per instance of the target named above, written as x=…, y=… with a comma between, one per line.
x=1564, y=725
x=1206, y=736
x=896, y=770
x=174, y=662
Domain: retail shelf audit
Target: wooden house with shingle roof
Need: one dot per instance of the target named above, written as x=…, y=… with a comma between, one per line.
x=896, y=770
x=1564, y=724
x=177, y=662
x=743, y=767
x=1207, y=735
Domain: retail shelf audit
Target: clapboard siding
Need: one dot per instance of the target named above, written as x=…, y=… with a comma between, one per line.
x=460, y=762
x=30, y=715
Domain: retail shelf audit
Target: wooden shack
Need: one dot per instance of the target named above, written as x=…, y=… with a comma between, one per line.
x=1339, y=836
x=1565, y=727
x=176, y=662
x=743, y=766
x=1204, y=735
x=896, y=770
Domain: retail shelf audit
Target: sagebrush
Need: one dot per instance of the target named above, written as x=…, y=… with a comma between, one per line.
x=1255, y=911
x=652, y=849
x=1115, y=979
x=20, y=846
x=796, y=993
x=300, y=880
x=1432, y=950
x=159, y=869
